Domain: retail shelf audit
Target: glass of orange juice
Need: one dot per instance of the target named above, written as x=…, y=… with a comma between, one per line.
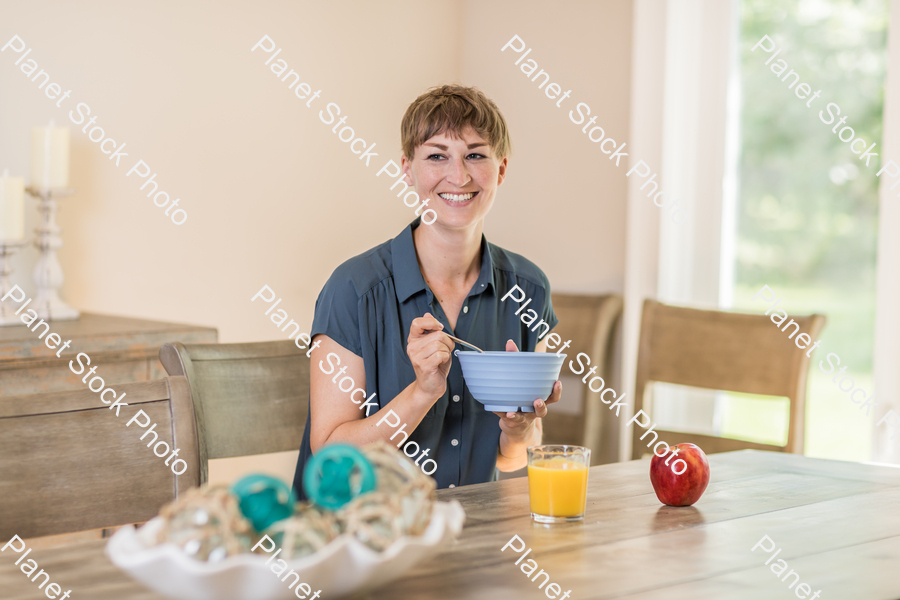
x=557, y=482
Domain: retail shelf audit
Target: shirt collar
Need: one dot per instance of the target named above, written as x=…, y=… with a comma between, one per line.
x=408, y=278
x=486, y=276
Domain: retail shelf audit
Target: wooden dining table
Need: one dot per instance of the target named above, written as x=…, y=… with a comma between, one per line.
x=836, y=524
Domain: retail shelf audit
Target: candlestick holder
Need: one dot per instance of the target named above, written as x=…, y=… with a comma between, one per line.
x=7, y=249
x=48, y=275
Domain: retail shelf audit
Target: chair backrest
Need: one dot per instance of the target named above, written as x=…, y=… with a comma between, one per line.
x=723, y=351
x=249, y=398
x=587, y=320
x=69, y=464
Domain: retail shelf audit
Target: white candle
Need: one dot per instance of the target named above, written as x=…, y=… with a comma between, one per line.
x=12, y=208
x=50, y=157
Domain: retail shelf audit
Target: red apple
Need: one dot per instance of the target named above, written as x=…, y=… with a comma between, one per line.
x=680, y=485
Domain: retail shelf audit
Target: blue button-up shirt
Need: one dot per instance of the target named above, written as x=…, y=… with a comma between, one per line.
x=368, y=305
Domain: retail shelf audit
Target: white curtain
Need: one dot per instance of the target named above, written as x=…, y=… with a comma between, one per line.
x=685, y=111
x=683, y=58
x=887, y=299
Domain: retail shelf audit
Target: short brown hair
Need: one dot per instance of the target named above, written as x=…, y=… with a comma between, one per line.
x=450, y=109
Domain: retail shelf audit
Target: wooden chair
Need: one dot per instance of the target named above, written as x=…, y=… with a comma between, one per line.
x=249, y=398
x=588, y=321
x=723, y=351
x=68, y=464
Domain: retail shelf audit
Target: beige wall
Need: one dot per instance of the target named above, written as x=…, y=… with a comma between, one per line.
x=273, y=197
x=563, y=205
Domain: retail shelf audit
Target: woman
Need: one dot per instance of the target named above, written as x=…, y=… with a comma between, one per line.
x=381, y=317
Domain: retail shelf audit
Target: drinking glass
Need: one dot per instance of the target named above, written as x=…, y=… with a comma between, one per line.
x=557, y=482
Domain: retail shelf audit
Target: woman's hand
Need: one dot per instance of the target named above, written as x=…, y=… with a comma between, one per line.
x=522, y=429
x=429, y=350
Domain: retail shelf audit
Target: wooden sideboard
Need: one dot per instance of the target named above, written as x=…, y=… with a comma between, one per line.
x=123, y=349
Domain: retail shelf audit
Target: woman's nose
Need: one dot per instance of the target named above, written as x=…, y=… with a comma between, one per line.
x=459, y=173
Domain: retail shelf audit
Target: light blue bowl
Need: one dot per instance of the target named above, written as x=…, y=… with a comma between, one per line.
x=510, y=381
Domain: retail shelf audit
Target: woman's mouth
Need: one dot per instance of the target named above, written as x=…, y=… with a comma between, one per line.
x=457, y=200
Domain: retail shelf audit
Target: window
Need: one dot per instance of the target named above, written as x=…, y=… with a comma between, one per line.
x=806, y=207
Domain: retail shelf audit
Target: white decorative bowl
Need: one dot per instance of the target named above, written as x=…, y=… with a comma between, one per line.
x=344, y=566
x=510, y=381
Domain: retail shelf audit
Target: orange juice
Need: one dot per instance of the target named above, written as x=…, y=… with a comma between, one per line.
x=557, y=487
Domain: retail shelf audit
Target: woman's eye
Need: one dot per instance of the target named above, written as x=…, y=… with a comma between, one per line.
x=439, y=157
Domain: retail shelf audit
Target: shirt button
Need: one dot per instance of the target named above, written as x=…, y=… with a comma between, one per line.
x=454, y=442
x=451, y=485
x=465, y=309
x=456, y=398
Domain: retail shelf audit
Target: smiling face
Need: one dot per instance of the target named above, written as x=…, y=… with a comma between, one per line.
x=458, y=175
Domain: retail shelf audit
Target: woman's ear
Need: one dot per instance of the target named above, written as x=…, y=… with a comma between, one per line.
x=405, y=167
x=501, y=175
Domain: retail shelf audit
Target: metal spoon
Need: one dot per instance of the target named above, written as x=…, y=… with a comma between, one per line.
x=459, y=341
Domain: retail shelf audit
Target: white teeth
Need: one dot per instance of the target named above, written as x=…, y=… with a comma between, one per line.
x=457, y=197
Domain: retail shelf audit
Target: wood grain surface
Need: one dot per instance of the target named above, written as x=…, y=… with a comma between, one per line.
x=250, y=398
x=124, y=349
x=69, y=464
x=98, y=333
x=836, y=523
x=719, y=350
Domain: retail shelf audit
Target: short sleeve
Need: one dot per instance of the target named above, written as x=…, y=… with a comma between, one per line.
x=540, y=318
x=337, y=312
x=548, y=314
